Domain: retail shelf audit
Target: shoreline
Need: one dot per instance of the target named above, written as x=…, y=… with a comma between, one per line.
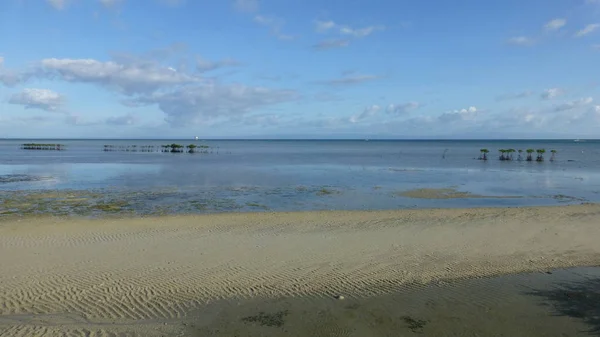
x=123, y=214
x=155, y=269
x=156, y=202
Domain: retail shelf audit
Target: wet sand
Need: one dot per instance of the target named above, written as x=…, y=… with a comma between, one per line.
x=560, y=303
x=448, y=193
x=159, y=276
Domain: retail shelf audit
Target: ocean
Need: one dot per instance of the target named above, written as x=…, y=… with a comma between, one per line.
x=291, y=175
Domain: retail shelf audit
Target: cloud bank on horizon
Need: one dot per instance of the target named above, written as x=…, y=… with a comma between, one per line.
x=262, y=68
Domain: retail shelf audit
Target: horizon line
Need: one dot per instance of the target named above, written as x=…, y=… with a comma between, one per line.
x=310, y=139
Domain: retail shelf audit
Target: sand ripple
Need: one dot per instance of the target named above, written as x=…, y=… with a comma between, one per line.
x=136, y=277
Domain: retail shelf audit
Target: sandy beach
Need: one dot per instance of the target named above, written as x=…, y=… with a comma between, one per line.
x=148, y=276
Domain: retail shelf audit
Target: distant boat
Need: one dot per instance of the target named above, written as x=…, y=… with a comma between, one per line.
x=196, y=138
x=579, y=140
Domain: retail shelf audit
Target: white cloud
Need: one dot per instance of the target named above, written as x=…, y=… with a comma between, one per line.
x=185, y=98
x=128, y=119
x=522, y=94
x=248, y=6
x=110, y=3
x=555, y=24
x=365, y=115
x=262, y=120
x=43, y=99
x=552, y=93
x=467, y=114
x=360, y=32
x=331, y=44
x=78, y=120
x=23, y=122
x=11, y=78
x=350, y=80
x=274, y=24
x=198, y=104
x=368, y=112
x=204, y=65
x=327, y=97
x=587, y=30
x=401, y=109
x=172, y=3
x=58, y=4
x=129, y=79
x=6, y=77
x=520, y=41
x=324, y=26
x=574, y=104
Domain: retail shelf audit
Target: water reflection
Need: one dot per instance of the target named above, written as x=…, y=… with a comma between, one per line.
x=274, y=168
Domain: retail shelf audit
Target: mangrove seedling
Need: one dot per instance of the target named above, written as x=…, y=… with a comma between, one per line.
x=192, y=148
x=530, y=154
x=520, y=155
x=35, y=146
x=484, y=153
x=553, y=157
x=510, y=154
x=176, y=148
x=540, y=154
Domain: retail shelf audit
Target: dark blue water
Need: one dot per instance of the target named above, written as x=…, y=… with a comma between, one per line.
x=288, y=175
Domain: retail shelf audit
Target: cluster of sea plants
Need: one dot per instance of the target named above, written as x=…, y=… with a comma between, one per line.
x=130, y=148
x=169, y=148
x=508, y=154
x=111, y=202
x=178, y=148
x=36, y=146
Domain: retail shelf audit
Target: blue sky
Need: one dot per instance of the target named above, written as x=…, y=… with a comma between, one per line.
x=296, y=69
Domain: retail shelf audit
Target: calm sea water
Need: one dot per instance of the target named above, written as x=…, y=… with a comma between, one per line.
x=307, y=174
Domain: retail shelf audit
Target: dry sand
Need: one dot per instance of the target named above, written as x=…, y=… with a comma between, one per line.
x=139, y=277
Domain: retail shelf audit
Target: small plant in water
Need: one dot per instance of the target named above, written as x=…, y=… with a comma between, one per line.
x=510, y=153
x=506, y=154
x=553, y=157
x=530, y=154
x=36, y=146
x=176, y=148
x=484, y=153
x=520, y=155
x=192, y=148
x=540, y=155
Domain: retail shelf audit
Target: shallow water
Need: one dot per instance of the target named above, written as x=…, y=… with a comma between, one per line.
x=288, y=175
x=560, y=303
